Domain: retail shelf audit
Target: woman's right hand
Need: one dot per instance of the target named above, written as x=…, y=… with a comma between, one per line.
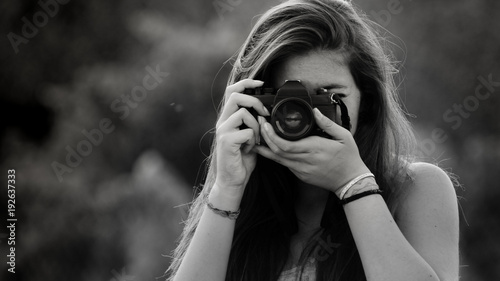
x=235, y=158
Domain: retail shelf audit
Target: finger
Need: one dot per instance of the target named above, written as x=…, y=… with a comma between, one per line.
x=251, y=141
x=233, y=141
x=269, y=154
x=237, y=101
x=239, y=118
x=241, y=85
x=280, y=145
x=330, y=127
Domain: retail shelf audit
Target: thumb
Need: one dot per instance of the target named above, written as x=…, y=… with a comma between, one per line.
x=327, y=125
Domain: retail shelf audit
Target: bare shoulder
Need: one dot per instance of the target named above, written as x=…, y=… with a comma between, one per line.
x=422, y=169
x=431, y=183
x=428, y=218
x=429, y=187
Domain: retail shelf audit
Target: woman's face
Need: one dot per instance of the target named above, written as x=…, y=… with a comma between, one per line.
x=322, y=69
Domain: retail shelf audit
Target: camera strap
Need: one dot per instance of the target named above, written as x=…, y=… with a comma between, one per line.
x=344, y=114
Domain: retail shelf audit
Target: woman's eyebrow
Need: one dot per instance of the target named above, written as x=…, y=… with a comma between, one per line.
x=332, y=86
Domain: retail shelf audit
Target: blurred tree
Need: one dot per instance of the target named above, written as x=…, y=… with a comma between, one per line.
x=114, y=211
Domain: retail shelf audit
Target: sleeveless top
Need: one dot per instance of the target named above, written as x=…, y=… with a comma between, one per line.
x=293, y=274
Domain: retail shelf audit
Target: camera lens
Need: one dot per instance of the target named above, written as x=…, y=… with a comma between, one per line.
x=292, y=118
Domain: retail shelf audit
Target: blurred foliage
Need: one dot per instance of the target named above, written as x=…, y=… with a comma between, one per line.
x=115, y=212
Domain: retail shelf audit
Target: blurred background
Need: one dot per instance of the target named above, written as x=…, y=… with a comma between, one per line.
x=108, y=108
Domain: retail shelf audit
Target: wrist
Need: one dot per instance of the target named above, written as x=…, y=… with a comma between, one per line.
x=361, y=186
x=355, y=183
x=225, y=198
x=350, y=175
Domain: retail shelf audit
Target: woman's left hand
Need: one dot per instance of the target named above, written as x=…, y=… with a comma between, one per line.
x=327, y=163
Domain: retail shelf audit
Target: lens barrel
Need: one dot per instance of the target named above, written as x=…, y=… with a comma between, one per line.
x=292, y=118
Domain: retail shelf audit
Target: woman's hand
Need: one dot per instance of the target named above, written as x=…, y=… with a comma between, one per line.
x=234, y=151
x=327, y=163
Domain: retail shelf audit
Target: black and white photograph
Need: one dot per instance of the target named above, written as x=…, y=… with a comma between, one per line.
x=230, y=140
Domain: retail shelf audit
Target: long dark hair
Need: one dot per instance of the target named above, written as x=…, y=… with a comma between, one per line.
x=384, y=137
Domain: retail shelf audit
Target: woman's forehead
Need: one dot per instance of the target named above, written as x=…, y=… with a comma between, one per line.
x=318, y=69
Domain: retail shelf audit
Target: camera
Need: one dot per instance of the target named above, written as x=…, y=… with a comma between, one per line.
x=291, y=107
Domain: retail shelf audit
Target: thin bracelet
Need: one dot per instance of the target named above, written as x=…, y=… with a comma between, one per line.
x=223, y=213
x=353, y=182
x=361, y=195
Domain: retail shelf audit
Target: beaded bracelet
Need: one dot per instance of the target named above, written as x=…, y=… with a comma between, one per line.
x=223, y=213
x=361, y=195
x=353, y=182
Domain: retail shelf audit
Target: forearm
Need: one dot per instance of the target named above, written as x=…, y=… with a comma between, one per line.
x=208, y=253
x=384, y=251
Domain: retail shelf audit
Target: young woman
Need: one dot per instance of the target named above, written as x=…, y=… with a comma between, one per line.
x=349, y=206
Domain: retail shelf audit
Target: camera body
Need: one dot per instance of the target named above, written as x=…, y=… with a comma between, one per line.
x=291, y=107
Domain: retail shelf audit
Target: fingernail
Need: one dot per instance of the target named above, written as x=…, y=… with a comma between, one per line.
x=317, y=112
x=266, y=111
x=267, y=127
